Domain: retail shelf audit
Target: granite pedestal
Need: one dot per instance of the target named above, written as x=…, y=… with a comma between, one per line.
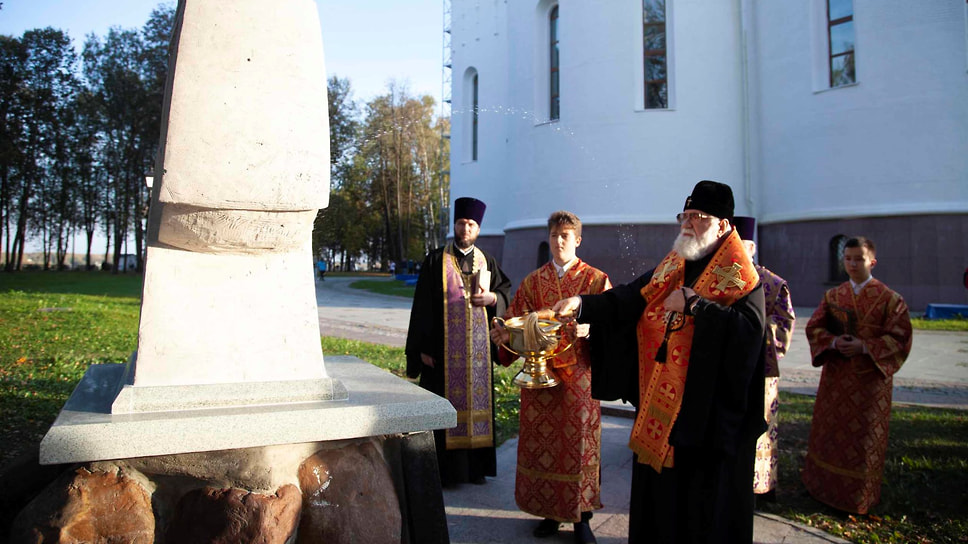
x=260, y=448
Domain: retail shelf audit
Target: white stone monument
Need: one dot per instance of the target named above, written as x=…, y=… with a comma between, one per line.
x=229, y=351
x=243, y=168
x=227, y=409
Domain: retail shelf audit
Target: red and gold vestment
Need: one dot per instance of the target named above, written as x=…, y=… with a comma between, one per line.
x=559, y=447
x=848, y=437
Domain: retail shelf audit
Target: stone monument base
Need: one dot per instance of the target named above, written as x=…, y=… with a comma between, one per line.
x=376, y=490
x=361, y=469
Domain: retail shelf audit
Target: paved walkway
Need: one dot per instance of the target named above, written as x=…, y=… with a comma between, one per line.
x=935, y=374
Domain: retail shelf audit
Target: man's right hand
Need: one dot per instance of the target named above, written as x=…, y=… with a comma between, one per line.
x=427, y=360
x=500, y=335
x=567, y=307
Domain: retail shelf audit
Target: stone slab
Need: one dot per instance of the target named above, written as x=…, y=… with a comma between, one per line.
x=133, y=400
x=377, y=403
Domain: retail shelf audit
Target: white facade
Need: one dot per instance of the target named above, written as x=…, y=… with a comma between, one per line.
x=749, y=104
x=605, y=147
x=896, y=141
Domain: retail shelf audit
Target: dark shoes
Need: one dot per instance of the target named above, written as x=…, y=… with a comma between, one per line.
x=583, y=534
x=546, y=528
x=549, y=527
x=479, y=481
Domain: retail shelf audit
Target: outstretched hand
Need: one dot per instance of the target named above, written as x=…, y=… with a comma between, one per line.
x=567, y=307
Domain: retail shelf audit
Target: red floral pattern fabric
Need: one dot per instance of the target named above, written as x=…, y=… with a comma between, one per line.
x=848, y=437
x=559, y=446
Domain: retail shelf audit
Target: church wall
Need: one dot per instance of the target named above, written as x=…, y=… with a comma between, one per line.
x=624, y=252
x=892, y=143
x=884, y=156
x=922, y=257
x=604, y=159
x=493, y=245
x=479, y=42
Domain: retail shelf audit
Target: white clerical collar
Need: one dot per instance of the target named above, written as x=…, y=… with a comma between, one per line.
x=562, y=269
x=858, y=286
x=464, y=251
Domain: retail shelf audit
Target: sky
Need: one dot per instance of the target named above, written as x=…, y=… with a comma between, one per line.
x=369, y=42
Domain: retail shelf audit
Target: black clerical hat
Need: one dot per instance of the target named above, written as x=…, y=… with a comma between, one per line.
x=711, y=197
x=469, y=208
x=745, y=227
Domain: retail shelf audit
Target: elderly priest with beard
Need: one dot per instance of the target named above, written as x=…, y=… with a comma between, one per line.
x=694, y=334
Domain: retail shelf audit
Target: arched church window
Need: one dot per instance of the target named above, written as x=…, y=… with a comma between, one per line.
x=836, y=272
x=474, y=118
x=470, y=104
x=544, y=254
x=655, y=54
x=555, y=109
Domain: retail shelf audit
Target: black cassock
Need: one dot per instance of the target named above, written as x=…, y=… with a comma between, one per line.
x=426, y=335
x=708, y=495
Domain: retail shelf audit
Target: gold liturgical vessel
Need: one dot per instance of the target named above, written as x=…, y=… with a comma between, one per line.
x=536, y=339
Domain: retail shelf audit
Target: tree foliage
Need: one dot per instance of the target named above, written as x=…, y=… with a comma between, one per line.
x=388, y=188
x=78, y=136
x=79, y=133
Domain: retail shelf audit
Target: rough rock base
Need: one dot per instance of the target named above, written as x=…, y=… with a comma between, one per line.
x=369, y=490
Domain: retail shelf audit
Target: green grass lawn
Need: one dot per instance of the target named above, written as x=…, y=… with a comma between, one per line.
x=957, y=324
x=384, y=287
x=53, y=325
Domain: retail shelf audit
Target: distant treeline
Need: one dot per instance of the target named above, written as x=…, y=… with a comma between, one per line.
x=79, y=134
x=390, y=181
x=77, y=137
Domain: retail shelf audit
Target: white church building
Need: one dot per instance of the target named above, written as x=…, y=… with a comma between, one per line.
x=828, y=118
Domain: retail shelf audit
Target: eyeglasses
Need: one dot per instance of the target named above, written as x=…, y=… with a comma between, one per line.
x=691, y=216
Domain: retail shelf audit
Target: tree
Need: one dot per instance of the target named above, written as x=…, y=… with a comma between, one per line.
x=48, y=82
x=126, y=75
x=89, y=174
x=402, y=150
x=75, y=156
x=336, y=226
x=116, y=87
x=13, y=58
x=388, y=183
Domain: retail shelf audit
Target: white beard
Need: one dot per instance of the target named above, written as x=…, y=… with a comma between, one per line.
x=693, y=248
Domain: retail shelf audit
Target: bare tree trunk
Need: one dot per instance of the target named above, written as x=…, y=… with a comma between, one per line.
x=5, y=228
x=89, y=235
x=21, y=234
x=107, y=244
x=19, y=250
x=139, y=229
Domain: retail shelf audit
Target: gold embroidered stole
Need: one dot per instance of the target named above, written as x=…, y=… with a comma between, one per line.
x=728, y=277
x=872, y=316
x=467, y=357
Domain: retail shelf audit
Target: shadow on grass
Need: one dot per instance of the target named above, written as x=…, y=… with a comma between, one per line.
x=73, y=283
